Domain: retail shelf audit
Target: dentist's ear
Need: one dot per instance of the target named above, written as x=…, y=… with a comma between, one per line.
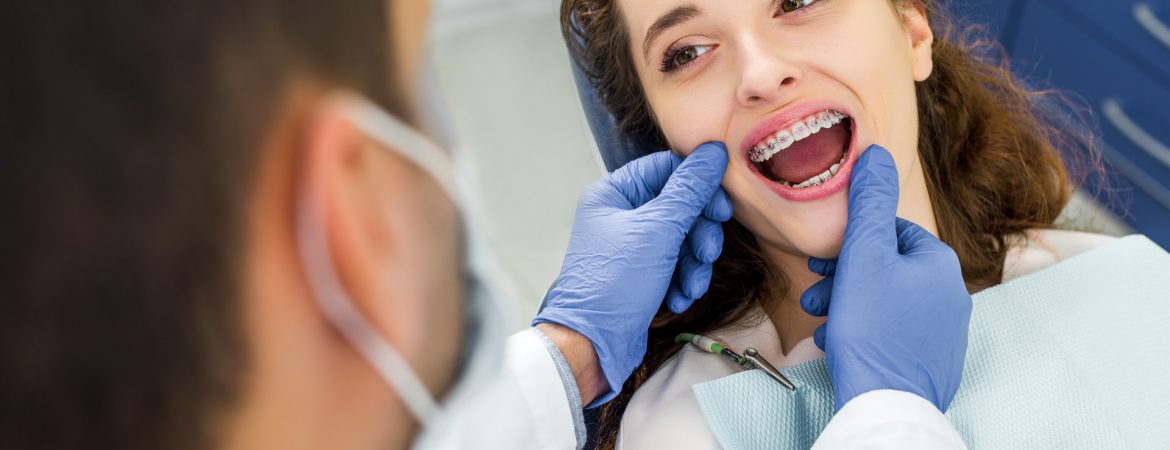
x=391, y=234
x=914, y=19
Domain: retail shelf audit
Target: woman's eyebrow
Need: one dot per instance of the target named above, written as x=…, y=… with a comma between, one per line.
x=676, y=16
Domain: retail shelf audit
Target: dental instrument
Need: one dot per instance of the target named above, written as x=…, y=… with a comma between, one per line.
x=751, y=359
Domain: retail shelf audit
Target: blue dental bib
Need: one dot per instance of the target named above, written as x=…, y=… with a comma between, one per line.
x=1074, y=356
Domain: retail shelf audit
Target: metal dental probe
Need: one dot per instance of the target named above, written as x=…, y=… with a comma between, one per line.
x=752, y=359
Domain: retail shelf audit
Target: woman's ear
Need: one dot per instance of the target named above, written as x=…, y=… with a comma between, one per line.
x=914, y=18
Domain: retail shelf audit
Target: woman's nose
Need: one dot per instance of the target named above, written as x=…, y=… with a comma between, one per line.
x=766, y=74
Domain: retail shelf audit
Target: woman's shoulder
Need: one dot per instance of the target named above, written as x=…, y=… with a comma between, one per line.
x=1037, y=249
x=664, y=412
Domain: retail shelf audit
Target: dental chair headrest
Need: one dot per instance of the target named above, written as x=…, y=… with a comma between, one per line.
x=615, y=148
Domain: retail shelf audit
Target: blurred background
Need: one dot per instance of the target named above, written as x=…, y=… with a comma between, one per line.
x=506, y=75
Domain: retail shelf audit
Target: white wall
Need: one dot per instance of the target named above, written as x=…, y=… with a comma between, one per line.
x=504, y=70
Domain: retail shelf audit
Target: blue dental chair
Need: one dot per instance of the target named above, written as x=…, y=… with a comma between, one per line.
x=616, y=150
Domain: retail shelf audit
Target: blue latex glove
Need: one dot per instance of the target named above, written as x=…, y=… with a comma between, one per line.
x=648, y=231
x=898, y=309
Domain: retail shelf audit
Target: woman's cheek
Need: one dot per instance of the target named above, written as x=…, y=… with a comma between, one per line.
x=688, y=120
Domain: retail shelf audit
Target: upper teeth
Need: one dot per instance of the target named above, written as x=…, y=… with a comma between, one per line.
x=784, y=138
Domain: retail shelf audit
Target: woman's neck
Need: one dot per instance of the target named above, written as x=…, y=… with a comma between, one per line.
x=791, y=279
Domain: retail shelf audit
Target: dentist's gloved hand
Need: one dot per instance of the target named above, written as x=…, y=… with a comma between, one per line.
x=898, y=309
x=646, y=232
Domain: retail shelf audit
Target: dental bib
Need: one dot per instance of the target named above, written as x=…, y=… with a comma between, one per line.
x=1074, y=356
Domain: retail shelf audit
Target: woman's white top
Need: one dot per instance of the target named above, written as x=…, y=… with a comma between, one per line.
x=664, y=412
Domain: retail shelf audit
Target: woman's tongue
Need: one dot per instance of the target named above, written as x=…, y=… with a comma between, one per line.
x=807, y=157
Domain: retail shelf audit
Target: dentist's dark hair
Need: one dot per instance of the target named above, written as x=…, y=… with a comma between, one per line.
x=130, y=135
x=995, y=166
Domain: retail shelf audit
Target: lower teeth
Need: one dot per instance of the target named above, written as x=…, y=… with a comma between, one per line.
x=818, y=179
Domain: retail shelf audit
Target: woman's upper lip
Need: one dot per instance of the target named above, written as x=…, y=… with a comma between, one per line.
x=785, y=118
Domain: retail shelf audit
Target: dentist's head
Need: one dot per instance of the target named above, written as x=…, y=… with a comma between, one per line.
x=210, y=233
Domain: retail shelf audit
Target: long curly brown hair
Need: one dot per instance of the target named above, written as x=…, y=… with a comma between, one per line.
x=995, y=163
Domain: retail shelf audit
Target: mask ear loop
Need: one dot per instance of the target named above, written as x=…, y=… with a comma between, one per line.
x=331, y=297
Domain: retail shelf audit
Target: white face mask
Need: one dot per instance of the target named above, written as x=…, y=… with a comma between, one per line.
x=484, y=328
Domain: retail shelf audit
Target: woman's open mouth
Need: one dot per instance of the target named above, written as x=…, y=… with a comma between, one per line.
x=808, y=159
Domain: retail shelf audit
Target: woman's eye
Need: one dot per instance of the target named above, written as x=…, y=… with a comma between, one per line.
x=681, y=57
x=686, y=55
x=787, y=6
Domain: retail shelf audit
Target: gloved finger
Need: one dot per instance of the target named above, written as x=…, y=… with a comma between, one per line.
x=706, y=240
x=819, y=337
x=693, y=184
x=873, y=205
x=642, y=179
x=815, y=300
x=719, y=208
x=694, y=276
x=822, y=267
x=913, y=238
x=676, y=300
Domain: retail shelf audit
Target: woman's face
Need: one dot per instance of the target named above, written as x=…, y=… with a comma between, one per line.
x=763, y=76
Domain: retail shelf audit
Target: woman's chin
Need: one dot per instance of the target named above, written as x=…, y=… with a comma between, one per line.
x=821, y=234
x=815, y=228
x=824, y=246
x=822, y=241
